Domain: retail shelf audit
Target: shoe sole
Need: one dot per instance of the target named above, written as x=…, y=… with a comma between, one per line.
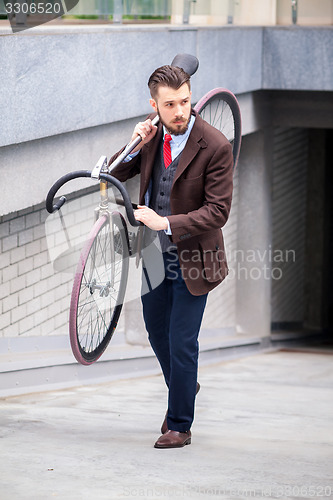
x=188, y=441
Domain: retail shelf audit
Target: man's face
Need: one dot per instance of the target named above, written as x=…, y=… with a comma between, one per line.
x=174, y=108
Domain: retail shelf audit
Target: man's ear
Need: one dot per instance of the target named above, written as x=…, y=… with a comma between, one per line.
x=153, y=104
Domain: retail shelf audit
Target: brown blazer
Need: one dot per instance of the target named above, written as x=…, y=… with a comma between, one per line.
x=200, y=201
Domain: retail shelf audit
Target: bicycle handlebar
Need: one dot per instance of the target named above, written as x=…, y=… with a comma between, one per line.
x=52, y=207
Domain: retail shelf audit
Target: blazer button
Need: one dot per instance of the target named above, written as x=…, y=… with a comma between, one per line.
x=161, y=193
x=217, y=247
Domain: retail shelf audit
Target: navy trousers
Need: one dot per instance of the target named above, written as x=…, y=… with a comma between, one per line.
x=173, y=317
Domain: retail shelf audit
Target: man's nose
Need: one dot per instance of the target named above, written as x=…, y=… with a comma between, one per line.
x=179, y=111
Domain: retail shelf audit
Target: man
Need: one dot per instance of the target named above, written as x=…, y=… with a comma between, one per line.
x=185, y=195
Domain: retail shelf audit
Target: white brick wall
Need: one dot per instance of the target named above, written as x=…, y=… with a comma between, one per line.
x=34, y=297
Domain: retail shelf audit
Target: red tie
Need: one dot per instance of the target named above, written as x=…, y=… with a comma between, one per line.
x=167, y=150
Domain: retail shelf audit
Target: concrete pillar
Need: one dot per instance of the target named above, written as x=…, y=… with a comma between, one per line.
x=177, y=10
x=118, y=12
x=253, y=259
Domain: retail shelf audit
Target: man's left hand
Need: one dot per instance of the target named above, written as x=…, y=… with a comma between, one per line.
x=150, y=218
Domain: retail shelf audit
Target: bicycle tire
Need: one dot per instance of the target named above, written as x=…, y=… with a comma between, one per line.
x=99, y=288
x=220, y=108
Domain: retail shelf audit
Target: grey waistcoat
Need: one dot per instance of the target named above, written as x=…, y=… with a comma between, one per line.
x=162, y=180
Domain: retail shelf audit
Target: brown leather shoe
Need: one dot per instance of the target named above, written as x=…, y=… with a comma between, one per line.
x=173, y=439
x=164, y=427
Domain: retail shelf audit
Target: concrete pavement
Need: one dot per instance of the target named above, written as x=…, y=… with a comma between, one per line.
x=263, y=429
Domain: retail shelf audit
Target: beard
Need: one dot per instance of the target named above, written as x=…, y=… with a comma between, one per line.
x=176, y=127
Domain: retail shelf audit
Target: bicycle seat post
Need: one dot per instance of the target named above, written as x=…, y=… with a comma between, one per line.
x=104, y=201
x=101, y=167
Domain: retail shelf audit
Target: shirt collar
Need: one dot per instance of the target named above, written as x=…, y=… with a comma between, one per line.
x=178, y=139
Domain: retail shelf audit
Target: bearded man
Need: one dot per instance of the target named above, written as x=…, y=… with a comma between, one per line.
x=186, y=186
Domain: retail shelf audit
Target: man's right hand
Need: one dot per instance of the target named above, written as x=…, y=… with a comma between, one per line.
x=146, y=131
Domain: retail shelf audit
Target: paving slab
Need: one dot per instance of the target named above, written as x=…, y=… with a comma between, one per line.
x=263, y=429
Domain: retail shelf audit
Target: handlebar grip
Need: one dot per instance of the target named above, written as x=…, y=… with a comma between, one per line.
x=59, y=204
x=50, y=207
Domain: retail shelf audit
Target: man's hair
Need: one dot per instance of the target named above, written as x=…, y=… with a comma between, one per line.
x=167, y=76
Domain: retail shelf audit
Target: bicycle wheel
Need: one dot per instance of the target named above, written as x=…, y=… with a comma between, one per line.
x=99, y=288
x=220, y=108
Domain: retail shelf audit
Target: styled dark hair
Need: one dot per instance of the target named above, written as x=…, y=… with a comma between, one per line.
x=168, y=76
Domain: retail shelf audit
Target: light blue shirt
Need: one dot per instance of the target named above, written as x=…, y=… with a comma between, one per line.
x=178, y=142
x=177, y=145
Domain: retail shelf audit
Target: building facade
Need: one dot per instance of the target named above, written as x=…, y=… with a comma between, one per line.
x=72, y=93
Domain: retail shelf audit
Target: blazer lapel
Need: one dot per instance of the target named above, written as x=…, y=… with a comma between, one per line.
x=194, y=143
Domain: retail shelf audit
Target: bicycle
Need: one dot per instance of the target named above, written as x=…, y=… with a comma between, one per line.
x=101, y=275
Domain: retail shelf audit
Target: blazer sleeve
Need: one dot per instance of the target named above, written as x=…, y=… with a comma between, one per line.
x=214, y=211
x=126, y=170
